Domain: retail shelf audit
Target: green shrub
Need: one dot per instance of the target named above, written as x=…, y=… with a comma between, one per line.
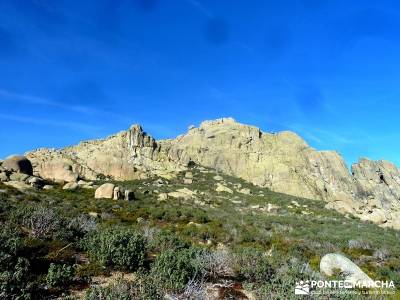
x=280, y=285
x=43, y=223
x=387, y=274
x=59, y=275
x=86, y=271
x=166, y=240
x=117, y=247
x=174, y=268
x=143, y=288
x=253, y=266
x=14, y=269
x=82, y=224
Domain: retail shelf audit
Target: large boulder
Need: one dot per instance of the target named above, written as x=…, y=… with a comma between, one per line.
x=218, y=178
x=376, y=216
x=18, y=164
x=163, y=197
x=222, y=188
x=332, y=263
x=187, y=181
x=59, y=171
x=19, y=177
x=129, y=195
x=118, y=193
x=35, y=181
x=19, y=185
x=184, y=193
x=245, y=191
x=3, y=177
x=71, y=186
x=106, y=190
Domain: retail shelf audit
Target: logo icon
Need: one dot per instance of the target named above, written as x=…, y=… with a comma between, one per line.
x=302, y=288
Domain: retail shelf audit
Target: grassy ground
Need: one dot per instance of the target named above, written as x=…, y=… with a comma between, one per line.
x=293, y=233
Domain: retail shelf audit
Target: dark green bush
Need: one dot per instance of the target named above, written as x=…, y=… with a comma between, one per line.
x=86, y=271
x=174, y=268
x=166, y=240
x=117, y=247
x=14, y=269
x=253, y=266
x=59, y=275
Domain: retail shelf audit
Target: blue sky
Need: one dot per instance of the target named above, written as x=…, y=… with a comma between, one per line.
x=74, y=70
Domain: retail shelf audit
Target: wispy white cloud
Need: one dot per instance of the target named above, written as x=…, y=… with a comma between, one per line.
x=81, y=127
x=6, y=95
x=200, y=7
x=325, y=137
x=11, y=96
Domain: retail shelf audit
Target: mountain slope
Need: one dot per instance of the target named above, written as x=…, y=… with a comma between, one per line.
x=282, y=162
x=262, y=242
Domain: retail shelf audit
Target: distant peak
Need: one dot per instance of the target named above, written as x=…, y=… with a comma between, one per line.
x=136, y=127
x=228, y=120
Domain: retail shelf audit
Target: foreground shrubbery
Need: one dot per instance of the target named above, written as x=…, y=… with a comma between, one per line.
x=59, y=275
x=59, y=240
x=142, y=288
x=117, y=247
x=174, y=268
x=14, y=269
x=253, y=266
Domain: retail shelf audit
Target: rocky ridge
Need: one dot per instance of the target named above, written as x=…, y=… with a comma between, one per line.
x=282, y=162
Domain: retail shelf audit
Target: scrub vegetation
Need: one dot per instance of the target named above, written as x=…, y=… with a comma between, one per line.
x=60, y=243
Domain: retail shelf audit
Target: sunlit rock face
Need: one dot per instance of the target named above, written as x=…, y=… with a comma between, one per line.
x=379, y=186
x=280, y=161
x=127, y=155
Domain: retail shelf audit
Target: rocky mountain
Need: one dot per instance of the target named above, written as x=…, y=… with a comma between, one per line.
x=282, y=162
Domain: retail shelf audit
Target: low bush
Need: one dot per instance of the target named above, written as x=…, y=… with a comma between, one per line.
x=280, y=284
x=194, y=289
x=360, y=244
x=43, y=223
x=215, y=264
x=14, y=269
x=174, y=268
x=117, y=247
x=165, y=240
x=253, y=266
x=86, y=271
x=59, y=275
x=82, y=224
x=143, y=288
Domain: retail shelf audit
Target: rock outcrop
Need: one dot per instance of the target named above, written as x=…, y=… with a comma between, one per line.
x=18, y=164
x=16, y=171
x=71, y=186
x=334, y=262
x=111, y=191
x=106, y=191
x=378, y=184
x=282, y=162
x=127, y=155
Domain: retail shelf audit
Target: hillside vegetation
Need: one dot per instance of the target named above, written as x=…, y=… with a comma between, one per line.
x=180, y=240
